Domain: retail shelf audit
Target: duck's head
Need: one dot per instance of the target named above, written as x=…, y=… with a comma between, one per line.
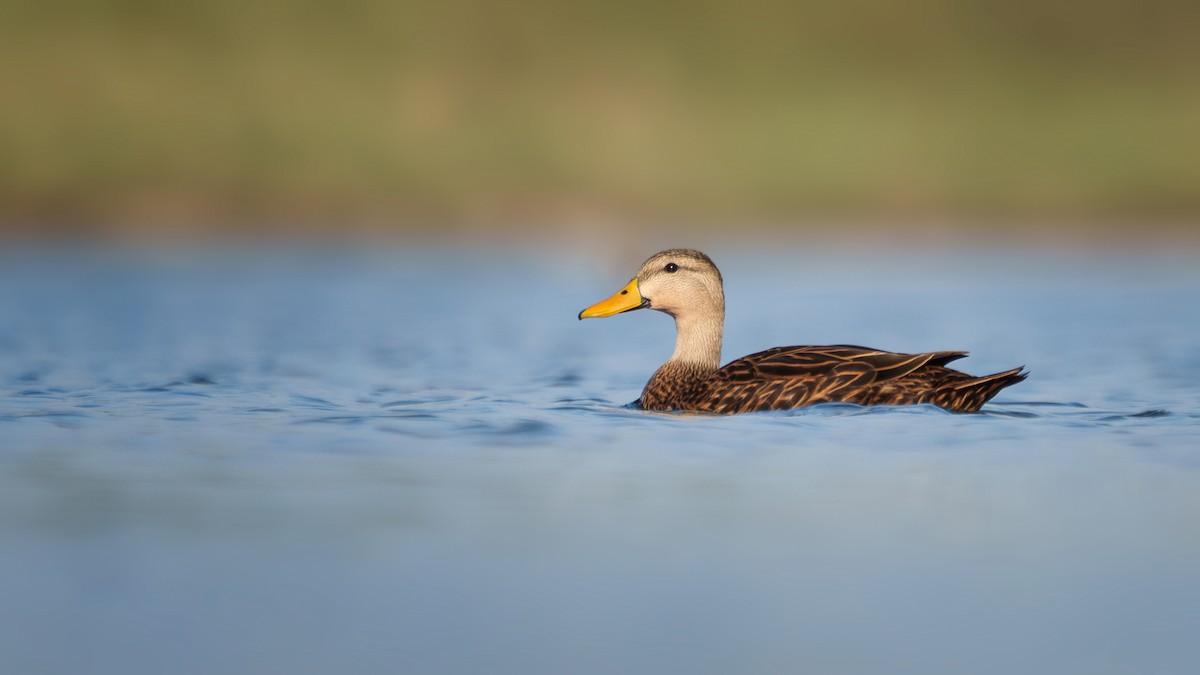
x=676, y=281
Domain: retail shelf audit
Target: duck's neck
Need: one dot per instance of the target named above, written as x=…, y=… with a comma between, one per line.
x=698, y=339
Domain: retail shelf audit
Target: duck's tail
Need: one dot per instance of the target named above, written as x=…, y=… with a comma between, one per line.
x=970, y=395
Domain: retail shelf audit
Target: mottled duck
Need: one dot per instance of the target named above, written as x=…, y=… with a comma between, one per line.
x=687, y=285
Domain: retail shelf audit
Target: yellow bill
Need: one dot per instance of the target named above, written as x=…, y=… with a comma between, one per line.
x=624, y=300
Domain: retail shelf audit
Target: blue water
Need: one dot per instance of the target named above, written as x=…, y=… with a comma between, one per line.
x=416, y=460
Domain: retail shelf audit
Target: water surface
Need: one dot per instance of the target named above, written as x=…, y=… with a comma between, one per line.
x=417, y=460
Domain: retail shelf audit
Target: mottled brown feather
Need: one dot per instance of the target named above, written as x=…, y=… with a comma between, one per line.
x=784, y=378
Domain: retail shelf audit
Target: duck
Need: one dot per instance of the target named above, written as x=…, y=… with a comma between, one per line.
x=686, y=284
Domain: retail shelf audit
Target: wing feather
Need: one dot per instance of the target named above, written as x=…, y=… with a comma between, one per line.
x=791, y=362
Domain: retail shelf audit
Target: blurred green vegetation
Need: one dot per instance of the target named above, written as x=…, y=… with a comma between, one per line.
x=132, y=113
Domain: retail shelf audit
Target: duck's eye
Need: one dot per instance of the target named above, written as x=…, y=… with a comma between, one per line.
x=671, y=267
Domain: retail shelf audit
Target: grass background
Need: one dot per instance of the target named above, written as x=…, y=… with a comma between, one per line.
x=139, y=116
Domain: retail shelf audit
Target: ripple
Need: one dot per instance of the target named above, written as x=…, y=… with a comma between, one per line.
x=1020, y=414
x=312, y=402
x=1145, y=414
x=54, y=414
x=520, y=428
x=410, y=416
x=345, y=420
x=580, y=404
x=567, y=379
x=1048, y=404
x=430, y=400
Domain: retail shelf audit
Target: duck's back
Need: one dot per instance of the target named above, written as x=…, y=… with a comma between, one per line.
x=784, y=378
